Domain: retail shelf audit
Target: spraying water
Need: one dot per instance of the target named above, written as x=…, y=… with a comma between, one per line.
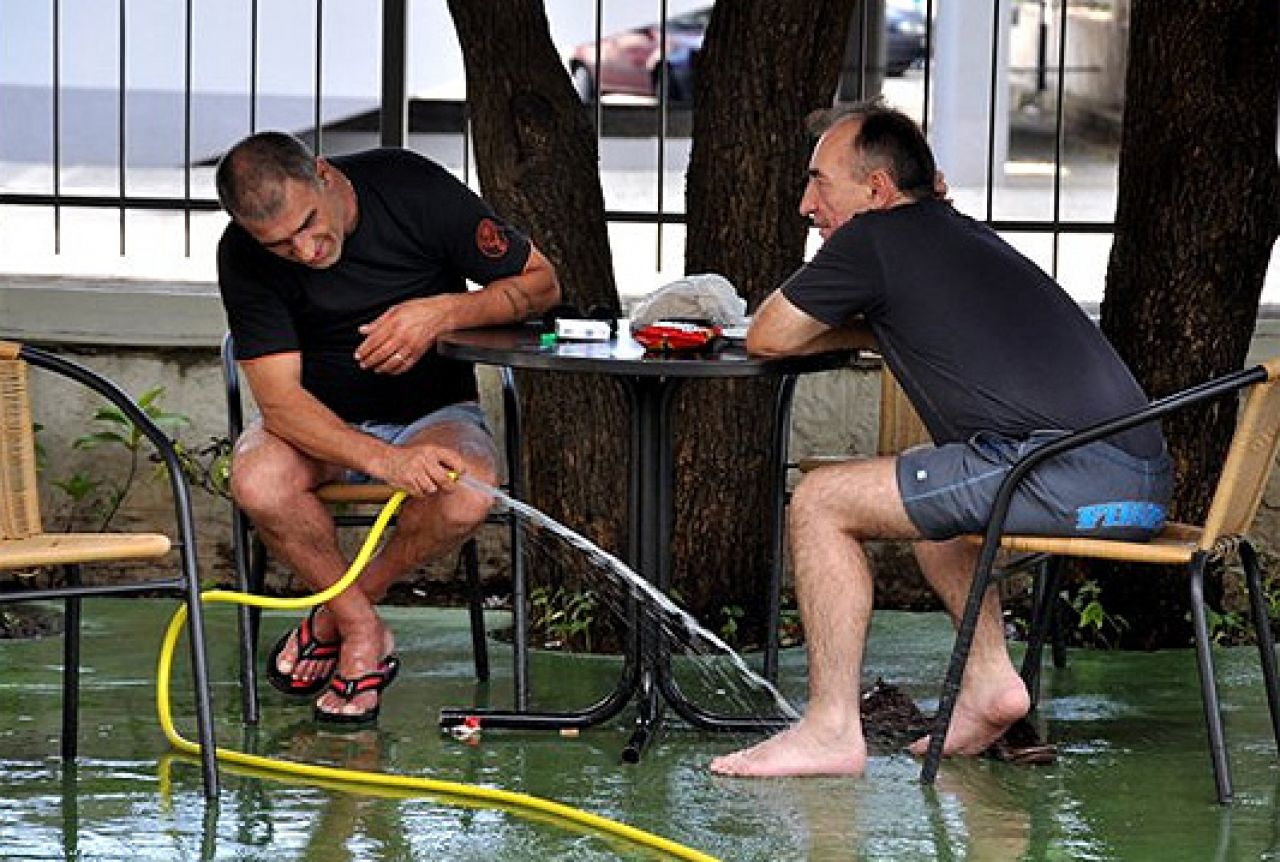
x=639, y=587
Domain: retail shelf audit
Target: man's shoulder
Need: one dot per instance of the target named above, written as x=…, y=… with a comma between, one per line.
x=388, y=163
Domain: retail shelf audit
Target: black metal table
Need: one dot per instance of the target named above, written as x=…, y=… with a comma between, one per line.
x=650, y=382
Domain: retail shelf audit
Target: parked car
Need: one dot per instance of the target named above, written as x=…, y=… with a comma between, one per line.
x=904, y=27
x=630, y=62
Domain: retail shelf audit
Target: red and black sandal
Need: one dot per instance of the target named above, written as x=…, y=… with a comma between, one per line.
x=310, y=648
x=348, y=689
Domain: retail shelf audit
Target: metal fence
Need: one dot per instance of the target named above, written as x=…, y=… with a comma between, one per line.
x=1050, y=73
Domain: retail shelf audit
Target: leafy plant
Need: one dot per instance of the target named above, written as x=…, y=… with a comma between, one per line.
x=104, y=497
x=730, y=614
x=1097, y=627
x=563, y=619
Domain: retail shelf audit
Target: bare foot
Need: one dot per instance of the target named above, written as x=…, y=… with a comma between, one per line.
x=982, y=716
x=363, y=650
x=799, y=750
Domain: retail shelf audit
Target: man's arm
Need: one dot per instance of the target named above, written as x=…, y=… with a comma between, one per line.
x=296, y=416
x=779, y=328
x=402, y=334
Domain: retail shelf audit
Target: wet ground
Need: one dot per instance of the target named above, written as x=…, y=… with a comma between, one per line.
x=1132, y=780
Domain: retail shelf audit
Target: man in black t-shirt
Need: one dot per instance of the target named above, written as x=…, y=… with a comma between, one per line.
x=996, y=359
x=338, y=275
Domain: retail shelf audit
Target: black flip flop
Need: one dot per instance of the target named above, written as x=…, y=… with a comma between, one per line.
x=310, y=647
x=347, y=689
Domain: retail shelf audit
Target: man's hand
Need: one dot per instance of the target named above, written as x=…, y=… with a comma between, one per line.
x=400, y=336
x=421, y=468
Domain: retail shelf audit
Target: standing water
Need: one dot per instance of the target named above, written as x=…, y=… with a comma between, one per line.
x=677, y=621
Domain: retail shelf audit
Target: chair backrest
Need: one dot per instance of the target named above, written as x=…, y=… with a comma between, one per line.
x=900, y=425
x=19, y=494
x=1250, y=458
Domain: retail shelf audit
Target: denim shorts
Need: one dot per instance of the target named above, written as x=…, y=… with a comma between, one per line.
x=1098, y=491
x=397, y=435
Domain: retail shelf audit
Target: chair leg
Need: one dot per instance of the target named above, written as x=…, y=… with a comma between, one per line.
x=71, y=668
x=475, y=601
x=1042, y=612
x=200, y=669
x=519, y=617
x=955, y=668
x=1208, y=687
x=1262, y=629
x=1058, y=630
x=245, y=623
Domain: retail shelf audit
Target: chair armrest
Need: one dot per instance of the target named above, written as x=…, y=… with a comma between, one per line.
x=1158, y=409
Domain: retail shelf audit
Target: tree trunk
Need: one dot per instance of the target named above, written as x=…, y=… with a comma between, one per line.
x=755, y=83
x=538, y=164
x=1197, y=215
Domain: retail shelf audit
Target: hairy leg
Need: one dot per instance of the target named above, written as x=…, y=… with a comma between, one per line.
x=274, y=484
x=992, y=694
x=832, y=510
x=428, y=527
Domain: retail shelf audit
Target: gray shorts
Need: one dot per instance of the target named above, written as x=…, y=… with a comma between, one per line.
x=397, y=435
x=1098, y=491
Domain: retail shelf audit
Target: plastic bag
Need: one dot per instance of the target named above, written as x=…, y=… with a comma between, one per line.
x=706, y=297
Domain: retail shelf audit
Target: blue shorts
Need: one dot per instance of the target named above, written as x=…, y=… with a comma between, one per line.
x=1098, y=491
x=397, y=435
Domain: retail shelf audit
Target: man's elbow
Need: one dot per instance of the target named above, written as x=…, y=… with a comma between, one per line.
x=761, y=343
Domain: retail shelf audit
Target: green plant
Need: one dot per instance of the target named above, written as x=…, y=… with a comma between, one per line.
x=1097, y=627
x=563, y=619
x=1226, y=628
x=730, y=614
x=102, y=497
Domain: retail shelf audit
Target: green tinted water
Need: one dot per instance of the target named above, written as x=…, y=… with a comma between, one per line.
x=1133, y=780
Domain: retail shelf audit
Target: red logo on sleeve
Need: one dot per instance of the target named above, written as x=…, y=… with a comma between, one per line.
x=490, y=239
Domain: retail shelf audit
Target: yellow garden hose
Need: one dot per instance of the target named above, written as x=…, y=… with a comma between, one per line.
x=380, y=782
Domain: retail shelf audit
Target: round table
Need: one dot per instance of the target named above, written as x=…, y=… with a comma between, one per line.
x=650, y=381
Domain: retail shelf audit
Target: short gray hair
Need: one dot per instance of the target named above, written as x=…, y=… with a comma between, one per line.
x=251, y=175
x=888, y=139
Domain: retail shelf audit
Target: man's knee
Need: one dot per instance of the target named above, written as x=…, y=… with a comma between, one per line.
x=265, y=477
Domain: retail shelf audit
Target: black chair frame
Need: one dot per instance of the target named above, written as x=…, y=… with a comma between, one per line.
x=984, y=577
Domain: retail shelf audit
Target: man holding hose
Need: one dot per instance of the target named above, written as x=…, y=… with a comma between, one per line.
x=338, y=275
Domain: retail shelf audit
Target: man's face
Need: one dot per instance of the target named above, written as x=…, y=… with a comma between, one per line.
x=311, y=224
x=838, y=189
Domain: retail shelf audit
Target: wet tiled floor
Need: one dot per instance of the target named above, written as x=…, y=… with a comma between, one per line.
x=1132, y=781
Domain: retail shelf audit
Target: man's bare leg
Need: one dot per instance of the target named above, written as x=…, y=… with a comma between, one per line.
x=831, y=511
x=275, y=485
x=429, y=527
x=992, y=694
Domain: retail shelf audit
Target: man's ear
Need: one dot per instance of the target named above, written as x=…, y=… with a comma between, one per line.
x=883, y=189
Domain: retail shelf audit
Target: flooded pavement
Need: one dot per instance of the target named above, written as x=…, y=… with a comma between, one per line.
x=1132, y=780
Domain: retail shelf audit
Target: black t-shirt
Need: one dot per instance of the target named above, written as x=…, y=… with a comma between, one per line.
x=420, y=233
x=978, y=336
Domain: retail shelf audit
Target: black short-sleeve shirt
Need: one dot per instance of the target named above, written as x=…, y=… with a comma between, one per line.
x=420, y=233
x=979, y=337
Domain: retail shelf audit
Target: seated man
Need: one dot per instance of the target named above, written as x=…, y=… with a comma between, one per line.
x=338, y=275
x=997, y=359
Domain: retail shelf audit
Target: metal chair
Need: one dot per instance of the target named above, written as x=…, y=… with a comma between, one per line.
x=251, y=554
x=1248, y=464
x=24, y=544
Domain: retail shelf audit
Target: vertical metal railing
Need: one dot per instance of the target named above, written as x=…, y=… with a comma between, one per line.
x=57, y=126
x=121, y=138
x=317, y=120
x=187, y=81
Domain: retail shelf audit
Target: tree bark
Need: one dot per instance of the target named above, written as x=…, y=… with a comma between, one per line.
x=538, y=164
x=1197, y=214
x=765, y=66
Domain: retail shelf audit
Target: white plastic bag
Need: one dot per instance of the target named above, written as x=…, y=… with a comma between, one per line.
x=705, y=296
